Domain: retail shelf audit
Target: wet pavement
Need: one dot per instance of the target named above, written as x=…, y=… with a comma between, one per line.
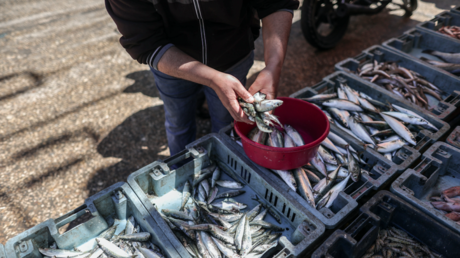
x=77, y=114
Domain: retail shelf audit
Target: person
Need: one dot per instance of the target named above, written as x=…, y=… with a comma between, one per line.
x=204, y=45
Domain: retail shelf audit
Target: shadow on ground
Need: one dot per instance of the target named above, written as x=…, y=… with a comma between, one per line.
x=139, y=140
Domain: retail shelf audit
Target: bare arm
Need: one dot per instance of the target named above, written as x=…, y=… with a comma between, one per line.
x=178, y=64
x=275, y=31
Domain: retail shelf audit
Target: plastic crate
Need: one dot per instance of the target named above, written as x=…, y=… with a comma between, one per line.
x=438, y=170
x=159, y=187
x=103, y=208
x=451, y=139
x=407, y=155
x=445, y=18
x=386, y=210
x=445, y=110
x=381, y=170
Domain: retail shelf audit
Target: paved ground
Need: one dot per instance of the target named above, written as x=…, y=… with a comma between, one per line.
x=78, y=115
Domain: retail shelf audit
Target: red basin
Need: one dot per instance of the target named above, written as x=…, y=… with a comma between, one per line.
x=306, y=118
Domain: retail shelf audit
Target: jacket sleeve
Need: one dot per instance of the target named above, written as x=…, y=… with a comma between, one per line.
x=267, y=7
x=142, y=29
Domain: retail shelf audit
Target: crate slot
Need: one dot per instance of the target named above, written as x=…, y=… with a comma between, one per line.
x=288, y=212
x=293, y=217
x=284, y=208
x=276, y=201
x=249, y=178
x=266, y=194
x=271, y=196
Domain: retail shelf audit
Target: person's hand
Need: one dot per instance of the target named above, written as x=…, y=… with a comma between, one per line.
x=266, y=82
x=228, y=88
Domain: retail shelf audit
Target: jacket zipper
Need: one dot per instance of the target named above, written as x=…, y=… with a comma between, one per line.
x=202, y=31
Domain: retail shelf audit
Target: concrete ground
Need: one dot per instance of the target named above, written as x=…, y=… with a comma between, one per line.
x=78, y=115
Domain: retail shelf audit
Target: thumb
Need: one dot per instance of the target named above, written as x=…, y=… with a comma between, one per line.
x=243, y=93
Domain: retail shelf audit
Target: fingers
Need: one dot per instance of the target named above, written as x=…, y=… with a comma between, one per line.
x=243, y=93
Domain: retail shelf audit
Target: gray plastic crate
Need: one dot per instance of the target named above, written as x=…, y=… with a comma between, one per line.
x=386, y=210
x=407, y=155
x=445, y=18
x=103, y=208
x=453, y=136
x=445, y=110
x=438, y=170
x=381, y=170
x=159, y=187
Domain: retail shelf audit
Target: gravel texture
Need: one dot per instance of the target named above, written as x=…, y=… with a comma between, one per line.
x=78, y=115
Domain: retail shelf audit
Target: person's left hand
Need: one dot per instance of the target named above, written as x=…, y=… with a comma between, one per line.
x=266, y=82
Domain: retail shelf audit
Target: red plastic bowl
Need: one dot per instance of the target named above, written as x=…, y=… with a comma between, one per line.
x=306, y=118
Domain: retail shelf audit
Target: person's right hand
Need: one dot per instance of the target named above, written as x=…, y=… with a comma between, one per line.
x=228, y=88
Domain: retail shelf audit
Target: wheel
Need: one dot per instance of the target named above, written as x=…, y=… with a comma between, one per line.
x=321, y=27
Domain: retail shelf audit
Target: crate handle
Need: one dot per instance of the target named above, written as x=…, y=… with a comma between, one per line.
x=71, y=216
x=177, y=158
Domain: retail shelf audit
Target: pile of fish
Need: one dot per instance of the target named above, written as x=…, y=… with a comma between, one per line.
x=451, y=61
x=209, y=223
x=451, y=31
x=447, y=202
x=375, y=124
x=279, y=138
x=401, y=81
x=131, y=242
x=259, y=111
x=327, y=174
x=394, y=242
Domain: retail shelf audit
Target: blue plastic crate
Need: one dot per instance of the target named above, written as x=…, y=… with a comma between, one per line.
x=438, y=170
x=102, y=208
x=445, y=18
x=446, y=109
x=158, y=186
x=386, y=210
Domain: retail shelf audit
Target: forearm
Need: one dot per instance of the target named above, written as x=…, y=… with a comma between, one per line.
x=176, y=63
x=275, y=30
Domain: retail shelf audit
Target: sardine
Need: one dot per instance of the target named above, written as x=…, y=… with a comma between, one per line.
x=231, y=193
x=201, y=246
x=262, y=126
x=141, y=236
x=320, y=97
x=304, y=186
x=228, y=252
x=407, y=118
x=111, y=249
x=353, y=167
x=266, y=225
x=212, y=194
x=176, y=214
x=409, y=112
x=448, y=57
x=229, y=184
x=328, y=144
x=343, y=104
x=341, y=94
x=295, y=135
x=350, y=95
x=288, y=142
x=360, y=131
x=330, y=197
x=287, y=177
x=59, y=252
x=215, y=177
x=247, y=240
x=326, y=156
x=130, y=223
x=337, y=114
x=268, y=105
x=185, y=195
x=400, y=129
x=276, y=139
x=148, y=253
x=210, y=245
x=388, y=147
x=240, y=233
x=317, y=162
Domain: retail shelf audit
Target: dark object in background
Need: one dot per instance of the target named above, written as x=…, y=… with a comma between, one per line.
x=324, y=22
